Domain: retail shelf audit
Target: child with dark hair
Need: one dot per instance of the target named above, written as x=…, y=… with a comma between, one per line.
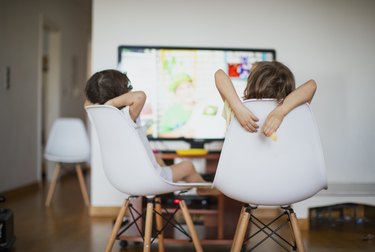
x=267, y=79
x=112, y=87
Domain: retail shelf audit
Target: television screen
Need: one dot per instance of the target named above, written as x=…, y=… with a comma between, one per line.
x=182, y=100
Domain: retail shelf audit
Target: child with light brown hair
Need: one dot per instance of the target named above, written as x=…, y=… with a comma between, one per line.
x=267, y=79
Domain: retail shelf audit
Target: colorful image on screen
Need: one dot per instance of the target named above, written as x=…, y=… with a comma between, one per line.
x=182, y=100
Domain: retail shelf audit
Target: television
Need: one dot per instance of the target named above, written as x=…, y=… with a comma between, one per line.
x=182, y=100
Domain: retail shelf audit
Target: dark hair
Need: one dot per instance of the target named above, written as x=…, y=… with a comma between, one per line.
x=105, y=85
x=269, y=79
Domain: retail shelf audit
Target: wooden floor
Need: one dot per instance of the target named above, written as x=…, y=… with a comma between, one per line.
x=66, y=226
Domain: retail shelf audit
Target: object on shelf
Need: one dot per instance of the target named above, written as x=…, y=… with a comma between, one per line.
x=192, y=152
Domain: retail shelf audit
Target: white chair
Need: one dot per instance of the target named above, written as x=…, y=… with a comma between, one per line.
x=68, y=142
x=129, y=168
x=256, y=170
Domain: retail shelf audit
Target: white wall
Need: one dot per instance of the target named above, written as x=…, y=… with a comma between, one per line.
x=330, y=41
x=20, y=106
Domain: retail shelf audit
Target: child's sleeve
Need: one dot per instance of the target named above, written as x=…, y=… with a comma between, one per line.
x=227, y=113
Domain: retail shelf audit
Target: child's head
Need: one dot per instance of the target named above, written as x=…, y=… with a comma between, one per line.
x=269, y=79
x=105, y=85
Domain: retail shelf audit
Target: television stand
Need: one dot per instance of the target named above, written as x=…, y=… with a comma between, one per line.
x=215, y=216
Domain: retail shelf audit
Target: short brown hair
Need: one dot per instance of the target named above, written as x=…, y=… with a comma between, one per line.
x=105, y=85
x=269, y=79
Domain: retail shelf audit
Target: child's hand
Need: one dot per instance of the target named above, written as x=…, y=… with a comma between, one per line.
x=272, y=122
x=247, y=119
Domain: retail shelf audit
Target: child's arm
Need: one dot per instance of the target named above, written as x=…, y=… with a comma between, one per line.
x=301, y=95
x=134, y=99
x=244, y=116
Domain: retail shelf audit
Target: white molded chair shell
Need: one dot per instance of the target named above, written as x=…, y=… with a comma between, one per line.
x=256, y=170
x=68, y=141
x=125, y=160
x=128, y=164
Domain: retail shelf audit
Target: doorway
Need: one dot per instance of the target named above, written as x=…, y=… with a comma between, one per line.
x=50, y=88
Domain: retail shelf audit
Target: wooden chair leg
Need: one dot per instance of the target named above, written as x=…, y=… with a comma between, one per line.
x=190, y=225
x=52, y=186
x=238, y=225
x=116, y=227
x=159, y=224
x=296, y=232
x=243, y=222
x=148, y=226
x=220, y=216
x=82, y=184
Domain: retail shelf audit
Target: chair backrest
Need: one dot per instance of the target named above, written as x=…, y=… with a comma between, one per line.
x=125, y=159
x=256, y=170
x=68, y=141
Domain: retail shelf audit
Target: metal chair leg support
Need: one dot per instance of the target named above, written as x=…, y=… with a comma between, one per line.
x=266, y=229
x=150, y=234
x=170, y=221
x=134, y=222
x=270, y=232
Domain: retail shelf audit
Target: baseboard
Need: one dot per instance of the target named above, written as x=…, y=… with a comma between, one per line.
x=104, y=211
x=261, y=213
x=22, y=190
